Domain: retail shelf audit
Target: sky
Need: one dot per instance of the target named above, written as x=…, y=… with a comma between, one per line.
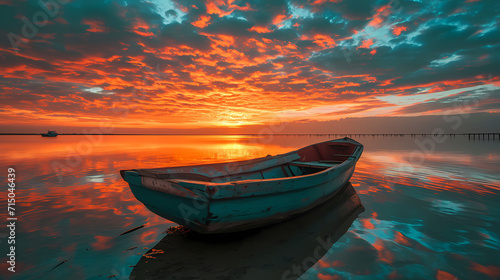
x=171, y=65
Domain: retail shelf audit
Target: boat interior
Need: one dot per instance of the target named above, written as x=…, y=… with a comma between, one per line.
x=308, y=160
x=291, y=169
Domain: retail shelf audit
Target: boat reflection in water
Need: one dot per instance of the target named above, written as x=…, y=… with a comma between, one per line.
x=280, y=251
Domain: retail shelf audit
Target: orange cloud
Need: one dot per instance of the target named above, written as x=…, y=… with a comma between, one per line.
x=223, y=8
x=260, y=29
x=366, y=44
x=398, y=29
x=141, y=28
x=489, y=270
x=381, y=14
x=320, y=2
x=202, y=22
x=95, y=26
x=278, y=20
x=443, y=275
x=324, y=41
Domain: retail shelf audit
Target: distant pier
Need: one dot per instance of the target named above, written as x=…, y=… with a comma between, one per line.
x=470, y=136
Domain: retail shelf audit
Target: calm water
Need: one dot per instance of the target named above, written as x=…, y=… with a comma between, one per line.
x=432, y=215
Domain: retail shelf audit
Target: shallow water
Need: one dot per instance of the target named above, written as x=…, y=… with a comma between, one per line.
x=432, y=208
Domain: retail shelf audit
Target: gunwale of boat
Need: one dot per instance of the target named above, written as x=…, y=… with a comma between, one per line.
x=355, y=154
x=257, y=180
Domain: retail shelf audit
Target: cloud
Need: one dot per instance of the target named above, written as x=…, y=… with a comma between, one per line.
x=186, y=58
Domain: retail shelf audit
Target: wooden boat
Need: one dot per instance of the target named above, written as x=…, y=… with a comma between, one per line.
x=240, y=195
x=50, y=133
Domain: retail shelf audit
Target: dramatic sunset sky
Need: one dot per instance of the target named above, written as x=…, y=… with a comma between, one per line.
x=226, y=65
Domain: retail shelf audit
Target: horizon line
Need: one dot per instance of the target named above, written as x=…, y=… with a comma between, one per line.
x=253, y=134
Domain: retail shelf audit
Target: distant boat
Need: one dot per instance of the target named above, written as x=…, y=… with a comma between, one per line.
x=50, y=133
x=241, y=195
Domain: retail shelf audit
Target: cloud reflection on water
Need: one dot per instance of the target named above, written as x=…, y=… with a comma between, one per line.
x=432, y=220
